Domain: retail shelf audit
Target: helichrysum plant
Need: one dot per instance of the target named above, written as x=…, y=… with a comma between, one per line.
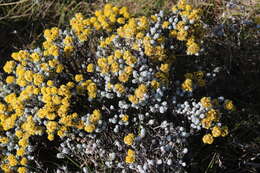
x=108, y=81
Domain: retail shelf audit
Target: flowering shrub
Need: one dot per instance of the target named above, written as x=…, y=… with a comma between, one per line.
x=106, y=88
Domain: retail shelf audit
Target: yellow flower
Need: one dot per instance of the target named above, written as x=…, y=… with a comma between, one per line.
x=174, y=9
x=143, y=23
x=154, y=18
x=114, y=67
x=165, y=24
x=128, y=69
x=216, y=131
x=19, y=133
x=194, y=15
x=68, y=49
x=140, y=91
x=92, y=89
x=130, y=152
x=187, y=85
x=129, y=139
x=54, y=50
x=23, y=142
x=206, y=102
x=10, y=79
x=125, y=118
x=62, y=131
x=182, y=35
x=79, y=77
x=112, y=18
x=133, y=99
x=228, y=105
x=2, y=108
x=35, y=57
x=70, y=84
x=188, y=7
x=68, y=40
x=10, y=98
x=212, y=115
x=20, y=152
x=51, y=126
x=4, y=140
x=59, y=68
x=115, y=10
x=90, y=68
x=110, y=59
x=155, y=84
x=89, y=128
x=119, y=87
x=50, y=83
x=50, y=137
x=95, y=116
x=28, y=75
x=123, y=77
x=56, y=100
x=206, y=123
x=207, y=139
x=118, y=54
x=22, y=170
x=38, y=79
x=121, y=20
x=6, y=168
x=12, y=160
x=24, y=161
x=165, y=68
x=52, y=63
x=198, y=75
x=9, y=66
x=130, y=158
x=193, y=49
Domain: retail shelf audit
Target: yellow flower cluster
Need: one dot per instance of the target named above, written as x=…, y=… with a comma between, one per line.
x=156, y=53
x=138, y=94
x=134, y=28
x=125, y=118
x=95, y=116
x=129, y=139
x=215, y=132
x=212, y=117
x=206, y=102
x=192, y=80
x=181, y=33
x=51, y=34
x=104, y=19
x=130, y=158
x=68, y=48
x=90, y=128
x=228, y=105
x=49, y=45
x=9, y=66
x=187, y=85
x=81, y=27
x=93, y=120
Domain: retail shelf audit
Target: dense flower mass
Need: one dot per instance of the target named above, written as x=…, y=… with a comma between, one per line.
x=106, y=80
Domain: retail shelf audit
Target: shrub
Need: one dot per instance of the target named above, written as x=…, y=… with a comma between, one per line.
x=106, y=88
